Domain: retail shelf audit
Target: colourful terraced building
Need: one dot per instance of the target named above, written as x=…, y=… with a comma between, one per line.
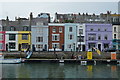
x=2, y=40
x=24, y=40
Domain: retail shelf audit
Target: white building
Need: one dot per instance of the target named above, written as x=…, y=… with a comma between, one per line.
x=11, y=40
x=116, y=36
x=81, y=37
x=39, y=37
x=70, y=42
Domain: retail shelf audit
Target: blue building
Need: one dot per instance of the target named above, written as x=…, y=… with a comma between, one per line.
x=39, y=37
x=70, y=36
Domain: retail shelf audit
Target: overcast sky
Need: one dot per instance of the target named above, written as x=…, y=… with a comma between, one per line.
x=23, y=9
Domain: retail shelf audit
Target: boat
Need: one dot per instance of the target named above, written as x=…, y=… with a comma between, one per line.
x=10, y=61
x=29, y=53
x=61, y=61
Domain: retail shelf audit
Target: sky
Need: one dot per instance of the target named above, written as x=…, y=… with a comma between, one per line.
x=14, y=9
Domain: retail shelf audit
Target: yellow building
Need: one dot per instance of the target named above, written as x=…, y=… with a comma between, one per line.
x=24, y=40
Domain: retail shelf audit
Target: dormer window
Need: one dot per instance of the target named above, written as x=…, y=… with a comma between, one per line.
x=25, y=28
x=12, y=28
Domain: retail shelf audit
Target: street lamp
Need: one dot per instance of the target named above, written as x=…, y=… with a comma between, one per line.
x=55, y=51
x=74, y=46
x=80, y=41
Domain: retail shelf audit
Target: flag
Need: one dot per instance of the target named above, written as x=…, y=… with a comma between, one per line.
x=98, y=51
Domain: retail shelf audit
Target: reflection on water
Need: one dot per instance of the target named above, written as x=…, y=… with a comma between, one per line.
x=59, y=70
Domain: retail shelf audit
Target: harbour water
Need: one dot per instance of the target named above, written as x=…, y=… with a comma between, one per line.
x=59, y=70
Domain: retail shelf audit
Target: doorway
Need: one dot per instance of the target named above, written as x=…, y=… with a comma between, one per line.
x=6, y=47
x=99, y=47
x=83, y=47
x=19, y=47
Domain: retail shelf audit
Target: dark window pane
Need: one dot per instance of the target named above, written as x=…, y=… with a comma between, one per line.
x=12, y=37
x=24, y=36
x=11, y=45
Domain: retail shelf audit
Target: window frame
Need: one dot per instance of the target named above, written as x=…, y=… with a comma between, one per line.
x=60, y=29
x=54, y=29
x=55, y=37
x=11, y=35
x=23, y=35
x=55, y=44
x=70, y=29
x=13, y=47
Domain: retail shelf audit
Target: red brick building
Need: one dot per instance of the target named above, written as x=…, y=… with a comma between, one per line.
x=56, y=37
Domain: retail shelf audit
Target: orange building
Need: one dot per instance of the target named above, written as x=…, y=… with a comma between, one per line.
x=56, y=37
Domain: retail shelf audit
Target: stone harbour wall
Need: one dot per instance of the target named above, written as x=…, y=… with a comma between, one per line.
x=59, y=55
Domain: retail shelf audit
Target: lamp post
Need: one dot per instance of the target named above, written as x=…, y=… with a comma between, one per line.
x=54, y=49
x=55, y=52
x=80, y=41
x=74, y=46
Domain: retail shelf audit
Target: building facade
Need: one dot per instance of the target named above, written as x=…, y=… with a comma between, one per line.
x=56, y=36
x=2, y=39
x=98, y=36
x=11, y=40
x=39, y=37
x=80, y=37
x=24, y=40
x=107, y=17
x=70, y=35
x=116, y=36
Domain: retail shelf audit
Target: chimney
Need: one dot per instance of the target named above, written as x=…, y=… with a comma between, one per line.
x=31, y=16
x=7, y=19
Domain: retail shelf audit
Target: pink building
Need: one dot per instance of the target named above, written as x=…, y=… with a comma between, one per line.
x=2, y=40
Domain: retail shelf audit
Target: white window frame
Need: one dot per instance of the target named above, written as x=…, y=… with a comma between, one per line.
x=106, y=37
x=60, y=29
x=53, y=37
x=41, y=39
x=39, y=46
x=58, y=45
x=69, y=36
x=115, y=36
x=115, y=29
x=54, y=29
x=69, y=46
x=70, y=30
x=80, y=31
x=99, y=36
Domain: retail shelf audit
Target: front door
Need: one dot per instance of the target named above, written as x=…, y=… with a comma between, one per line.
x=45, y=47
x=83, y=47
x=19, y=47
x=99, y=47
x=6, y=47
